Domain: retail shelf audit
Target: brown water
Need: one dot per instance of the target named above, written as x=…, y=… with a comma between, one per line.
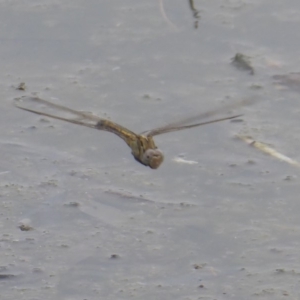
x=225, y=226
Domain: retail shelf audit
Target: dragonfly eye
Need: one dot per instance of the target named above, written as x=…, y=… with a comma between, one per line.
x=153, y=158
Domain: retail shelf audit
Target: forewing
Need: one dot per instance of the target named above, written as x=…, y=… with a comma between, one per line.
x=177, y=128
x=188, y=122
x=44, y=108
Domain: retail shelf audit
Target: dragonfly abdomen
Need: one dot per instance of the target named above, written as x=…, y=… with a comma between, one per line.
x=117, y=129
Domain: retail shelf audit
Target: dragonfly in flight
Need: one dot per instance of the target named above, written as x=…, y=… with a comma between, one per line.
x=142, y=145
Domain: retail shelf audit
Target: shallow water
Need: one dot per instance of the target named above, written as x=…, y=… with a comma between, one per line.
x=103, y=226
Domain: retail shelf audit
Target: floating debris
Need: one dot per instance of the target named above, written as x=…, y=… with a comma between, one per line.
x=164, y=15
x=291, y=80
x=25, y=225
x=242, y=62
x=72, y=204
x=21, y=86
x=195, y=13
x=184, y=161
x=6, y=276
x=268, y=150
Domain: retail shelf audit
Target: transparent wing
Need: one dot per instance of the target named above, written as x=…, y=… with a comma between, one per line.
x=166, y=129
x=186, y=122
x=59, y=112
x=44, y=108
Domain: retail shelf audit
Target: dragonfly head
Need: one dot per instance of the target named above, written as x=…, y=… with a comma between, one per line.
x=153, y=158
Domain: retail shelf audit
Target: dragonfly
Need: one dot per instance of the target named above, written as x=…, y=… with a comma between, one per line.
x=142, y=145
